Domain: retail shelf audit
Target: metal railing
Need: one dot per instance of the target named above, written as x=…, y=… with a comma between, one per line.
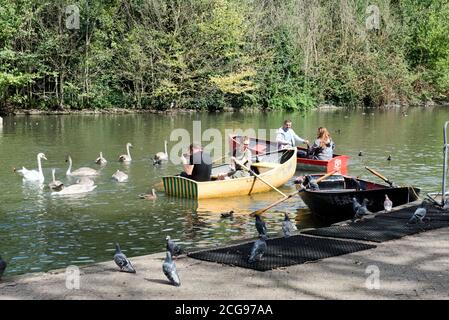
x=445, y=148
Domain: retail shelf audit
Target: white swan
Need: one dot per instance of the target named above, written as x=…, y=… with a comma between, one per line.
x=34, y=175
x=75, y=189
x=85, y=181
x=120, y=176
x=55, y=184
x=161, y=156
x=83, y=171
x=100, y=160
x=126, y=157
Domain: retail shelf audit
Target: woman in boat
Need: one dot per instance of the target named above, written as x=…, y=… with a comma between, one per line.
x=242, y=157
x=323, y=147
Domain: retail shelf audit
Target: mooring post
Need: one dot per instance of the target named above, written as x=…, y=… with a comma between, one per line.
x=446, y=146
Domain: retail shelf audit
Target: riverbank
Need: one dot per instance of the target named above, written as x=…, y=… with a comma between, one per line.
x=414, y=267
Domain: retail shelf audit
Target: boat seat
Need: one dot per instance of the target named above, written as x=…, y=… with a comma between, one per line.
x=270, y=165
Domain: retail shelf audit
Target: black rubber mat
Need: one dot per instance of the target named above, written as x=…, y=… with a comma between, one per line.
x=281, y=252
x=386, y=226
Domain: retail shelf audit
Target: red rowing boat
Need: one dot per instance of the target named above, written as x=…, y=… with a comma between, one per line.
x=261, y=147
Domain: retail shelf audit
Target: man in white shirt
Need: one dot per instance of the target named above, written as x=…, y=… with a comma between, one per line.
x=287, y=138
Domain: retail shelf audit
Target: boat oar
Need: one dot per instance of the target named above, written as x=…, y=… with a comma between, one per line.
x=218, y=159
x=260, y=211
x=263, y=180
x=380, y=176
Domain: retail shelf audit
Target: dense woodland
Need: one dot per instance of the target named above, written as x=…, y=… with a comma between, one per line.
x=216, y=54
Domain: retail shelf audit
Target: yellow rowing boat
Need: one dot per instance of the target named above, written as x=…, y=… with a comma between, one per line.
x=275, y=168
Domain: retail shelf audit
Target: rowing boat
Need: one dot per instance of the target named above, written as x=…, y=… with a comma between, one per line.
x=334, y=199
x=276, y=169
x=260, y=147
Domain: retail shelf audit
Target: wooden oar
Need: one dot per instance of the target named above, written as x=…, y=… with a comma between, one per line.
x=219, y=159
x=263, y=180
x=260, y=211
x=380, y=176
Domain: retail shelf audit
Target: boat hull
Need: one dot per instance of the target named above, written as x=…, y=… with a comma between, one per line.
x=278, y=175
x=336, y=204
x=338, y=162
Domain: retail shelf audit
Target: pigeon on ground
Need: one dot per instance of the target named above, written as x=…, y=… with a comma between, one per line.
x=260, y=225
x=258, y=249
x=173, y=247
x=170, y=271
x=446, y=204
x=122, y=261
x=287, y=226
x=419, y=214
x=388, y=204
x=362, y=210
x=3, y=265
x=355, y=205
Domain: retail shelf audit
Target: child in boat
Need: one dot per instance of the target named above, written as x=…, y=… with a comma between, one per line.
x=323, y=147
x=242, y=157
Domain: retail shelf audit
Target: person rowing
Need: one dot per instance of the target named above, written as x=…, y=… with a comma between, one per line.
x=287, y=138
x=197, y=163
x=242, y=158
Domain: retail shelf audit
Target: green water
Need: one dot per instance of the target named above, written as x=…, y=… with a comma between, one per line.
x=39, y=232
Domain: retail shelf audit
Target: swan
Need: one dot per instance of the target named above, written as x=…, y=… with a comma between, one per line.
x=83, y=171
x=34, y=175
x=126, y=157
x=85, y=181
x=75, y=189
x=120, y=176
x=55, y=184
x=150, y=196
x=158, y=157
x=100, y=160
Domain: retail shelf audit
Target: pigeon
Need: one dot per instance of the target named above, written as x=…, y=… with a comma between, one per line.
x=260, y=225
x=172, y=247
x=287, y=226
x=362, y=210
x=419, y=214
x=122, y=261
x=313, y=185
x=229, y=214
x=258, y=249
x=389, y=158
x=446, y=204
x=388, y=204
x=3, y=265
x=355, y=204
x=170, y=271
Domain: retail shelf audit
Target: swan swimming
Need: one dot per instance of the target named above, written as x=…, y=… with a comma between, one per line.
x=120, y=176
x=85, y=181
x=75, y=189
x=161, y=156
x=55, y=184
x=100, y=160
x=34, y=175
x=83, y=171
x=126, y=157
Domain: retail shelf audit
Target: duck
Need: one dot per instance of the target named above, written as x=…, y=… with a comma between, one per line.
x=120, y=176
x=100, y=160
x=83, y=171
x=55, y=184
x=150, y=196
x=161, y=156
x=34, y=175
x=126, y=157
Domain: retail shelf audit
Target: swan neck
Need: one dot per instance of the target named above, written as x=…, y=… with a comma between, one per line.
x=127, y=150
x=39, y=165
x=70, y=166
x=165, y=144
